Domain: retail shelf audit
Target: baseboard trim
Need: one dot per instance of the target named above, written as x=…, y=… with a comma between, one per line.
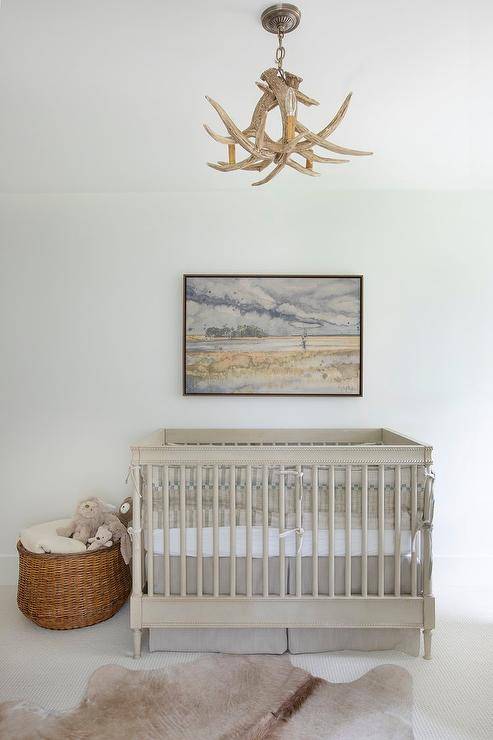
x=8, y=570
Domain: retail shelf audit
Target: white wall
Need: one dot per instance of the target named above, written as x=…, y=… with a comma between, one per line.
x=91, y=333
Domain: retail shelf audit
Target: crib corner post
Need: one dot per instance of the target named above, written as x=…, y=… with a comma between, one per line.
x=427, y=644
x=136, y=622
x=137, y=563
x=136, y=533
x=137, y=633
x=428, y=624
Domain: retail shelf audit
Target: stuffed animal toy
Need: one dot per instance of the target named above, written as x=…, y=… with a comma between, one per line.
x=90, y=514
x=125, y=511
x=125, y=515
x=101, y=539
x=120, y=534
x=115, y=526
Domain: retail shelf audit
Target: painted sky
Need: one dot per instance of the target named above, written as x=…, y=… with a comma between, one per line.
x=280, y=306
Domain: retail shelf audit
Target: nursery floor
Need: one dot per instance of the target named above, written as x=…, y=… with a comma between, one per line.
x=453, y=692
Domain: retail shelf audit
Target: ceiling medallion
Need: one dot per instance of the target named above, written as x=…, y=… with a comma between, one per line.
x=279, y=89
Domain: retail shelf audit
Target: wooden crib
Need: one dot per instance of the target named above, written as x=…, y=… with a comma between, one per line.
x=282, y=528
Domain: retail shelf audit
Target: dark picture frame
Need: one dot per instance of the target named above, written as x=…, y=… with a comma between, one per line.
x=317, y=353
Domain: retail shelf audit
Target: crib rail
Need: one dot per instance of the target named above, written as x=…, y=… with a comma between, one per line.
x=156, y=486
x=306, y=575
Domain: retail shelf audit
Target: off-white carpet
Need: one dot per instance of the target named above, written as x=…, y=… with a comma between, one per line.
x=257, y=697
x=452, y=693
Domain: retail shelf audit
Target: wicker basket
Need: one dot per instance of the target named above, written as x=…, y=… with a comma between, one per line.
x=63, y=592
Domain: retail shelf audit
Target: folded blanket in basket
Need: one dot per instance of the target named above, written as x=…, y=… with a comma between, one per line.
x=43, y=538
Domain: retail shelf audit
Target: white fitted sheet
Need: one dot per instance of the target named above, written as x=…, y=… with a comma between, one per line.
x=290, y=542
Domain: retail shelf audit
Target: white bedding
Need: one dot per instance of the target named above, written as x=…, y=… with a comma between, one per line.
x=290, y=542
x=42, y=538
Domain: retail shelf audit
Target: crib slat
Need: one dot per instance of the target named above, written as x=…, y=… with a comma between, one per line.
x=282, y=527
x=414, y=515
x=347, y=567
x=199, y=530
x=150, y=533
x=232, y=530
x=265, y=520
x=315, y=530
x=183, y=532
x=299, y=496
x=215, y=531
x=381, y=530
x=397, y=529
x=167, y=580
x=331, y=529
x=249, y=531
x=364, y=530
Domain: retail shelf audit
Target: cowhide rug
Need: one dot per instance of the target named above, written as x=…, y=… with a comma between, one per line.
x=248, y=698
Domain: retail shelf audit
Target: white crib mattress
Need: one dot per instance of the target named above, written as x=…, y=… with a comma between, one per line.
x=290, y=542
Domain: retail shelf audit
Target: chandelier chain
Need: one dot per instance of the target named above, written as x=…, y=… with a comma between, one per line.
x=280, y=51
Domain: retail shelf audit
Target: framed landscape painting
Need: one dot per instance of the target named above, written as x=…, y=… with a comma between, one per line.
x=272, y=335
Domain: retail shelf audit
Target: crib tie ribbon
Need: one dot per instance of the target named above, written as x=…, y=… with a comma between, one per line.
x=425, y=522
x=132, y=531
x=131, y=474
x=297, y=530
x=297, y=474
x=290, y=472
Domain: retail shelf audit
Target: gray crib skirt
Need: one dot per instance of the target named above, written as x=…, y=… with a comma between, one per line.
x=276, y=640
x=234, y=640
x=323, y=640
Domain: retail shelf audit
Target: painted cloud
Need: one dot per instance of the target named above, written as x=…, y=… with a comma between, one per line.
x=279, y=306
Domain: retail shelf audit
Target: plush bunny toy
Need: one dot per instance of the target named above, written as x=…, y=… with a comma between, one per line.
x=102, y=539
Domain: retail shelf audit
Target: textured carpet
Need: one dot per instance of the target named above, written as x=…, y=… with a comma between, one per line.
x=225, y=696
x=452, y=693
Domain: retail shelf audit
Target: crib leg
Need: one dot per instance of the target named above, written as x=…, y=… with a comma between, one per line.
x=427, y=644
x=137, y=642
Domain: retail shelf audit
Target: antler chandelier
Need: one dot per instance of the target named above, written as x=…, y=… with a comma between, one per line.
x=279, y=89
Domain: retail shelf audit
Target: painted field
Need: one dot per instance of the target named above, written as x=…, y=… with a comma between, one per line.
x=282, y=364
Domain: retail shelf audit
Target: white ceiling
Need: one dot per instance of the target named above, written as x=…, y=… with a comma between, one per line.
x=108, y=95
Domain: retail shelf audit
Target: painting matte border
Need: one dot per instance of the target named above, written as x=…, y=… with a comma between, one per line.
x=283, y=395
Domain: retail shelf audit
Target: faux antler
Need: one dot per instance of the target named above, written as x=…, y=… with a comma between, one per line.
x=297, y=139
